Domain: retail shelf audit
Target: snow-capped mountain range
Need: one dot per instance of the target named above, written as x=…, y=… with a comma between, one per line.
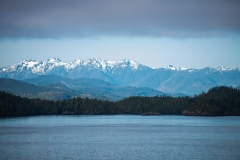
x=128, y=73
x=44, y=67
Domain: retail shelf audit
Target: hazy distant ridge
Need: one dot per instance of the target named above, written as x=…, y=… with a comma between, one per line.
x=57, y=88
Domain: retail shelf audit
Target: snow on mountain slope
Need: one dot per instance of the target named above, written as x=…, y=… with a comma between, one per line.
x=128, y=73
x=48, y=65
x=74, y=69
x=175, y=68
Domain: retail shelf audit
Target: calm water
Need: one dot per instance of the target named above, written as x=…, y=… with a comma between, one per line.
x=120, y=137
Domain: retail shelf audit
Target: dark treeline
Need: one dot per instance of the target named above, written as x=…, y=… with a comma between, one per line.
x=217, y=101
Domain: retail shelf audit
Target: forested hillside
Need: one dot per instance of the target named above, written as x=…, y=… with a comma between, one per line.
x=52, y=87
x=217, y=101
x=32, y=91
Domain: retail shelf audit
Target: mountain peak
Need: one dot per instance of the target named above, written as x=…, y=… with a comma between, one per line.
x=223, y=68
x=134, y=64
x=171, y=67
x=95, y=59
x=30, y=60
x=54, y=60
x=105, y=65
x=27, y=63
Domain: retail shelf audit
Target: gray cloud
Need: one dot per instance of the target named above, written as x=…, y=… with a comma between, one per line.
x=174, y=18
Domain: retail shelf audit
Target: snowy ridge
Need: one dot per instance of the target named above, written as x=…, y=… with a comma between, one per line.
x=127, y=72
x=171, y=67
x=223, y=68
x=106, y=65
x=43, y=67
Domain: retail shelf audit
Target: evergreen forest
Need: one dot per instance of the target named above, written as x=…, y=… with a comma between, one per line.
x=218, y=101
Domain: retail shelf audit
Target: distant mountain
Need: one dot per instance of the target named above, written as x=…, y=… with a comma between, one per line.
x=56, y=87
x=94, y=88
x=122, y=72
x=129, y=73
x=32, y=91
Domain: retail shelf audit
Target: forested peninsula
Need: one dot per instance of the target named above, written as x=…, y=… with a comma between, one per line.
x=218, y=101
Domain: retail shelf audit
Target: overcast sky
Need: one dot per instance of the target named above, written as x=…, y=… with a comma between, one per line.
x=186, y=33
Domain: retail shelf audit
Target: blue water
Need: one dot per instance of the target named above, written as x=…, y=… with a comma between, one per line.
x=120, y=137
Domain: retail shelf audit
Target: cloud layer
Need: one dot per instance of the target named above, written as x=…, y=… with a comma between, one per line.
x=160, y=18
